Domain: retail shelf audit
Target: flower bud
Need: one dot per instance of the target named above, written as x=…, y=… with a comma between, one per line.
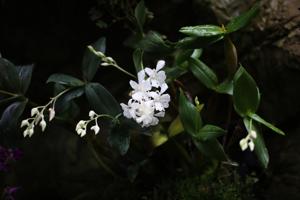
x=43, y=125
x=160, y=64
x=34, y=111
x=105, y=64
x=253, y=134
x=51, y=114
x=24, y=123
x=96, y=129
x=92, y=114
x=244, y=144
x=251, y=145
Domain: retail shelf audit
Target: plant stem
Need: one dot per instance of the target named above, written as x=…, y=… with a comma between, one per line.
x=123, y=70
x=8, y=93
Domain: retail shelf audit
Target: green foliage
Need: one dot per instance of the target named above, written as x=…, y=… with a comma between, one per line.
x=202, y=30
x=25, y=74
x=138, y=60
x=246, y=95
x=140, y=15
x=197, y=42
x=101, y=100
x=65, y=79
x=90, y=62
x=154, y=42
x=209, y=132
x=267, y=124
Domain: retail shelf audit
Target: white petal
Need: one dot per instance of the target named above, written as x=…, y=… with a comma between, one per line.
x=96, y=129
x=133, y=84
x=251, y=145
x=141, y=75
x=163, y=88
x=92, y=114
x=51, y=114
x=149, y=71
x=24, y=123
x=253, y=134
x=34, y=111
x=160, y=64
x=243, y=144
x=43, y=125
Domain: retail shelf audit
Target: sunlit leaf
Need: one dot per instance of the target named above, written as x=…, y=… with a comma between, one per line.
x=175, y=127
x=202, y=30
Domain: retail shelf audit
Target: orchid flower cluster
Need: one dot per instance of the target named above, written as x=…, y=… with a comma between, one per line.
x=82, y=124
x=38, y=117
x=148, y=99
x=248, y=141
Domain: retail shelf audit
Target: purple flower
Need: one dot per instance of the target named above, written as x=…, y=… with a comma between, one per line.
x=8, y=155
x=10, y=192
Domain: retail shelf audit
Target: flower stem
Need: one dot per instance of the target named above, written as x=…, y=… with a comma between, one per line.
x=123, y=70
x=8, y=93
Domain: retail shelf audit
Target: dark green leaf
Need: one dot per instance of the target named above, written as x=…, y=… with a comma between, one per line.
x=65, y=79
x=11, y=115
x=209, y=132
x=140, y=15
x=25, y=73
x=9, y=77
x=101, y=100
x=174, y=72
x=65, y=100
x=267, y=124
x=242, y=20
x=138, y=60
x=189, y=115
x=231, y=57
x=246, y=95
x=202, y=30
x=90, y=62
x=154, y=42
x=119, y=137
x=202, y=72
x=211, y=149
x=226, y=87
x=197, y=42
x=260, y=148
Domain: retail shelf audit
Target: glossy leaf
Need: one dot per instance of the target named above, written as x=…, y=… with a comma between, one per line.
x=140, y=14
x=9, y=77
x=226, y=87
x=154, y=42
x=197, y=42
x=246, y=97
x=11, y=115
x=25, y=73
x=119, y=137
x=242, y=20
x=211, y=149
x=138, y=60
x=203, y=73
x=101, y=100
x=267, y=124
x=231, y=57
x=260, y=148
x=65, y=79
x=202, y=30
x=189, y=115
x=209, y=132
x=90, y=62
x=64, y=102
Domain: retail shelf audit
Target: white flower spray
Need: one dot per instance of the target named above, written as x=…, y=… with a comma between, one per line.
x=148, y=99
x=38, y=117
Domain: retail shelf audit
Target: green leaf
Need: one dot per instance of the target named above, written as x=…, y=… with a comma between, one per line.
x=202, y=72
x=197, y=42
x=65, y=79
x=260, y=148
x=119, y=137
x=231, y=56
x=246, y=95
x=101, y=100
x=154, y=42
x=25, y=73
x=242, y=20
x=189, y=115
x=209, y=132
x=9, y=77
x=202, y=30
x=226, y=87
x=174, y=72
x=11, y=115
x=138, y=60
x=267, y=124
x=211, y=149
x=64, y=102
x=91, y=62
x=140, y=15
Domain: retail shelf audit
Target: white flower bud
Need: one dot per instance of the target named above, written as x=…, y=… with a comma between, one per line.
x=24, y=123
x=80, y=125
x=253, y=134
x=34, y=111
x=105, y=64
x=110, y=59
x=243, y=144
x=96, y=129
x=82, y=133
x=160, y=64
x=43, y=125
x=100, y=54
x=51, y=114
x=251, y=145
x=92, y=114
